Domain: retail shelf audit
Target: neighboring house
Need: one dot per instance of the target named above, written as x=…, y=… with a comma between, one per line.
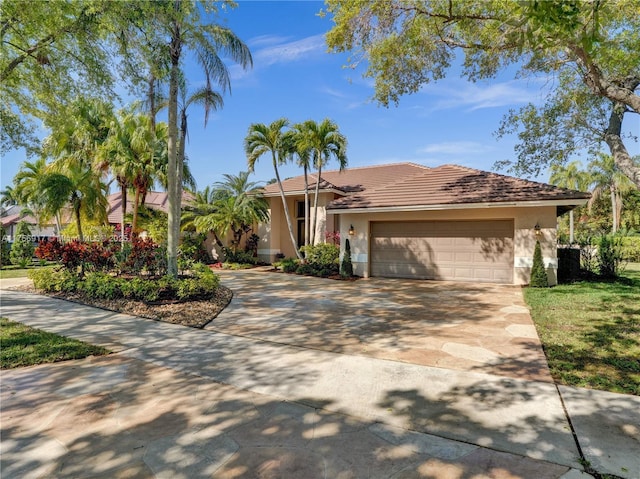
x=409, y=221
x=12, y=216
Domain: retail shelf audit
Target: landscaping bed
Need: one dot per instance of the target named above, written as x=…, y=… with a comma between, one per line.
x=192, y=313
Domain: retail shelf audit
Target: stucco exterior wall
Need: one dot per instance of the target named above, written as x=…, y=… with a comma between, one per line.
x=525, y=219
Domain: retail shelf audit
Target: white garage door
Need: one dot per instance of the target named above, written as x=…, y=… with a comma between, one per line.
x=448, y=250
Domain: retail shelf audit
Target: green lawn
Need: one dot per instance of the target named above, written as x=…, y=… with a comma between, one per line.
x=21, y=345
x=14, y=271
x=590, y=332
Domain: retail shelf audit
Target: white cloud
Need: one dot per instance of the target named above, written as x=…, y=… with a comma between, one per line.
x=290, y=51
x=455, y=148
x=473, y=96
x=266, y=40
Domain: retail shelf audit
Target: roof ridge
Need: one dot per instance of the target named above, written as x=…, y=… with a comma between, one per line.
x=378, y=166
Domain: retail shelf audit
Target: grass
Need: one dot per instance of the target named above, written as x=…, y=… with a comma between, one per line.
x=15, y=271
x=590, y=331
x=21, y=345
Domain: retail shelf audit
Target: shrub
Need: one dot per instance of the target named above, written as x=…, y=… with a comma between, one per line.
x=251, y=245
x=22, y=249
x=192, y=248
x=630, y=248
x=49, y=250
x=144, y=256
x=289, y=265
x=538, y=273
x=54, y=280
x=5, y=250
x=346, y=267
x=101, y=285
x=609, y=255
x=242, y=257
x=306, y=269
x=323, y=255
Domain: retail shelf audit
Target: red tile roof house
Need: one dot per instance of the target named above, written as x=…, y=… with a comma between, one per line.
x=410, y=221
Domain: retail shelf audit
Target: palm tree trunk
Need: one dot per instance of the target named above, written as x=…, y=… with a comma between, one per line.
x=76, y=211
x=314, y=224
x=306, y=206
x=123, y=212
x=286, y=210
x=172, y=179
x=134, y=223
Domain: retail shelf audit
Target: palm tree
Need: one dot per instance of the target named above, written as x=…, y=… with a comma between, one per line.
x=234, y=204
x=82, y=189
x=263, y=139
x=28, y=188
x=572, y=177
x=303, y=154
x=207, y=41
x=606, y=176
x=324, y=142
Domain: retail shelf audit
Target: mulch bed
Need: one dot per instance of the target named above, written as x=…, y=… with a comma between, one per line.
x=195, y=314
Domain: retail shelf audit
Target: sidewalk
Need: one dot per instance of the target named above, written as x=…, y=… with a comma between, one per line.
x=355, y=412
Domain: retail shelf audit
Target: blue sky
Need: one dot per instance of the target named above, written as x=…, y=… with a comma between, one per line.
x=451, y=121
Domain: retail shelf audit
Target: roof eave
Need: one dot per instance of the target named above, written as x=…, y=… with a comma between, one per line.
x=459, y=206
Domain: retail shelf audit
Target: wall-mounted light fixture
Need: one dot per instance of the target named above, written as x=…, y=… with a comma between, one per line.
x=537, y=230
x=352, y=230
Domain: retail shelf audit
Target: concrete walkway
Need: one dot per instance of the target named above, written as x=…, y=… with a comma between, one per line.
x=178, y=402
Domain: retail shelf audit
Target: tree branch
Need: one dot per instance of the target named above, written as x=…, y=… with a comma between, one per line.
x=619, y=152
x=622, y=92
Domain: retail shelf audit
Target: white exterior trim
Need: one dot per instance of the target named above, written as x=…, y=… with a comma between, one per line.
x=391, y=209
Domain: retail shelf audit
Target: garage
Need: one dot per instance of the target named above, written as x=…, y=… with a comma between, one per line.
x=479, y=251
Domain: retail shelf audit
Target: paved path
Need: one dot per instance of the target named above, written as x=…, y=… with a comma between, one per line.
x=177, y=402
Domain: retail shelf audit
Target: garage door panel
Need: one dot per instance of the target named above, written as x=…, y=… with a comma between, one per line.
x=449, y=250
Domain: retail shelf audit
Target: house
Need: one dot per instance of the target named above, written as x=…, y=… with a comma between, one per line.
x=409, y=221
x=13, y=215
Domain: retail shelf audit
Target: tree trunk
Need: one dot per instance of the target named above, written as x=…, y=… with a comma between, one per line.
x=286, y=210
x=571, y=227
x=76, y=212
x=134, y=223
x=123, y=212
x=306, y=205
x=619, y=152
x=314, y=224
x=614, y=210
x=174, y=198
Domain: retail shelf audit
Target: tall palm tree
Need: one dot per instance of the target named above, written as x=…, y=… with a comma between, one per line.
x=262, y=139
x=607, y=177
x=207, y=41
x=570, y=176
x=325, y=142
x=303, y=155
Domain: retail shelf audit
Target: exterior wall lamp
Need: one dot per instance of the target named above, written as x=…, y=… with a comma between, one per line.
x=537, y=230
x=352, y=230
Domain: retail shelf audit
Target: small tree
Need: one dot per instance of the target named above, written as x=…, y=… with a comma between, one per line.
x=346, y=267
x=22, y=249
x=538, y=273
x=5, y=250
x=609, y=255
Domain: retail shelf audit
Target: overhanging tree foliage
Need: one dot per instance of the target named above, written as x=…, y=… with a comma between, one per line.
x=592, y=48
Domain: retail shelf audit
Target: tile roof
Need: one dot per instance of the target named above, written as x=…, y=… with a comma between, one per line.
x=451, y=185
x=155, y=200
x=350, y=180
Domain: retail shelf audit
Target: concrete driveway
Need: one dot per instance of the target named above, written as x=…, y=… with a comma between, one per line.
x=469, y=327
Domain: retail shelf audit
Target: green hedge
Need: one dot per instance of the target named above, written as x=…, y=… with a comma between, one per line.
x=630, y=248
